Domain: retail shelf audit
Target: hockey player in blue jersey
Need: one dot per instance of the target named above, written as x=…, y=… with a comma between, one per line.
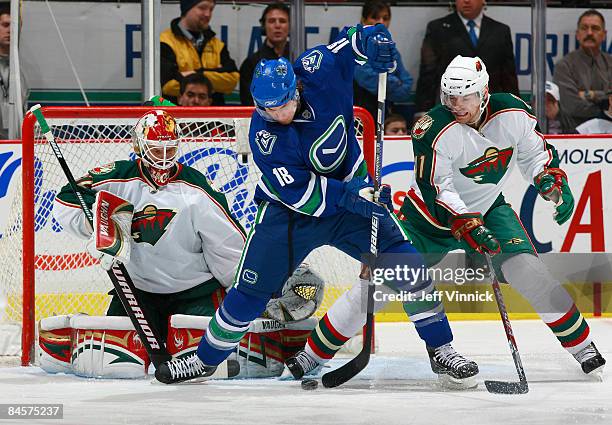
x=314, y=191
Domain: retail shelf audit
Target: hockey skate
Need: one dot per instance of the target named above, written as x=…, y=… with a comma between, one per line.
x=190, y=368
x=454, y=371
x=299, y=365
x=591, y=361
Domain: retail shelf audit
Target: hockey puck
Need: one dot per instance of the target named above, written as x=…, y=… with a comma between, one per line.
x=310, y=384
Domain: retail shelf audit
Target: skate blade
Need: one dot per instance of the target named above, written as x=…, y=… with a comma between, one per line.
x=286, y=375
x=597, y=374
x=450, y=383
x=227, y=369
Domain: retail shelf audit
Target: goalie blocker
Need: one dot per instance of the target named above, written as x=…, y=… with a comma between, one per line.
x=108, y=347
x=112, y=236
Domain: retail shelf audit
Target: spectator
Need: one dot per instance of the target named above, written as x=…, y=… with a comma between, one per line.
x=5, y=45
x=556, y=120
x=195, y=90
x=468, y=32
x=395, y=125
x=365, y=85
x=275, y=26
x=601, y=125
x=584, y=76
x=190, y=46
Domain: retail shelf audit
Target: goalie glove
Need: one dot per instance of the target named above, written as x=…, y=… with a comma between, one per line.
x=112, y=236
x=470, y=228
x=552, y=186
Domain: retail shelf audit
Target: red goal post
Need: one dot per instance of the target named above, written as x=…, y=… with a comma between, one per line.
x=94, y=136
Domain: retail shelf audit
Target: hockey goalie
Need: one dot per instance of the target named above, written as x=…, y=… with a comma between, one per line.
x=181, y=247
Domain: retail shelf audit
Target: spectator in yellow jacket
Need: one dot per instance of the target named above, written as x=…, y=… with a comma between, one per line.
x=191, y=46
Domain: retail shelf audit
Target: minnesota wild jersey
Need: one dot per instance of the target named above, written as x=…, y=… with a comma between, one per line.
x=183, y=234
x=459, y=169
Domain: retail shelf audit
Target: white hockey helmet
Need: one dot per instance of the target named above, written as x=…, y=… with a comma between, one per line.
x=464, y=76
x=156, y=137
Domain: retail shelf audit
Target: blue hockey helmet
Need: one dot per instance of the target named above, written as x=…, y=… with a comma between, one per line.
x=274, y=84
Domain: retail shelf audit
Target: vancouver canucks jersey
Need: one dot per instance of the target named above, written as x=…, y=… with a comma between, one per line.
x=459, y=169
x=183, y=234
x=305, y=163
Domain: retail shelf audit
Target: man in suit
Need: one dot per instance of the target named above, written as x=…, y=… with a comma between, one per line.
x=467, y=32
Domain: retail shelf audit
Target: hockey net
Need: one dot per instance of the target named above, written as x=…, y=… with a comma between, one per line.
x=44, y=271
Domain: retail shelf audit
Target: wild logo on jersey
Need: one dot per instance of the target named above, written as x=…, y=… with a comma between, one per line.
x=103, y=169
x=150, y=224
x=421, y=126
x=490, y=167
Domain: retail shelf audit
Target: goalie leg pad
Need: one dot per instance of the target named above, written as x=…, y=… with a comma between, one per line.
x=54, y=344
x=107, y=347
x=261, y=352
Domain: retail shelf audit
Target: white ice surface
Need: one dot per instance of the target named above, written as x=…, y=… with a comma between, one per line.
x=398, y=387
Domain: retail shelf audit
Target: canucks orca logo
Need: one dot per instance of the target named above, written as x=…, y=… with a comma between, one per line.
x=265, y=141
x=312, y=61
x=150, y=224
x=329, y=150
x=490, y=167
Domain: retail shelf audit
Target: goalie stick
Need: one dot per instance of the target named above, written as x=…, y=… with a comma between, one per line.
x=503, y=387
x=360, y=361
x=118, y=274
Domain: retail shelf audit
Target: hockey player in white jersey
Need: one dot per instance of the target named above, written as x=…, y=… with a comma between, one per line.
x=173, y=232
x=464, y=149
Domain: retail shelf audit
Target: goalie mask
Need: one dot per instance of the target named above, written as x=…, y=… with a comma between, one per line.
x=300, y=297
x=464, y=88
x=156, y=137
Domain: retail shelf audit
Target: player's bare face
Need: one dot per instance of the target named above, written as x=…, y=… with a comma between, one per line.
x=283, y=114
x=466, y=109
